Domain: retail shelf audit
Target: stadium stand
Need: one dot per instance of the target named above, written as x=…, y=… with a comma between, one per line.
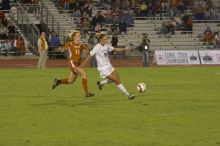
x=184, y=38
x=171, y=25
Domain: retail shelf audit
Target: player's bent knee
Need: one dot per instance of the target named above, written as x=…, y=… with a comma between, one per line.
x=70, y=81
x=84, y=76
x=117, y=82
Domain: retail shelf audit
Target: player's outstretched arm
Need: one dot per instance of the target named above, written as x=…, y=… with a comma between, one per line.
x=61, y=49
x=86, y=61
x=121, y=49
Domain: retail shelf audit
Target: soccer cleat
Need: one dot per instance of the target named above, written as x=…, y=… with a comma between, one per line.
x=99, y=85
x=90, y=95
x=55, y=84
x=131, y=96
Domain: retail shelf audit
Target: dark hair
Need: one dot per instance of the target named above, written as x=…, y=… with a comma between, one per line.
x=101, y=36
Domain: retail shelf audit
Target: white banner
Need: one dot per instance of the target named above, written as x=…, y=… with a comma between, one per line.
x=176, y=57
x=210, y=56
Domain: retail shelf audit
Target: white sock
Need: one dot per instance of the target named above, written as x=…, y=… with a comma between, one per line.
x=123, y=89
x=105, y=82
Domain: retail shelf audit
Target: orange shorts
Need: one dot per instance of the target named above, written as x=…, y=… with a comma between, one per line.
x=72, y=65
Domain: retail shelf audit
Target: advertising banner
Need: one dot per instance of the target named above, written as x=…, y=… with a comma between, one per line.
x=210, y=56
x=177, y=57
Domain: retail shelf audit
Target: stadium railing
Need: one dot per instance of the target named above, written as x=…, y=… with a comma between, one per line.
x=50, y=23
x=25, y=24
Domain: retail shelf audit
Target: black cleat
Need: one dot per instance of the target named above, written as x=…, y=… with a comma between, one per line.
x=130, y=97
x=55, y=84
x=90, y=95
x=99, y=85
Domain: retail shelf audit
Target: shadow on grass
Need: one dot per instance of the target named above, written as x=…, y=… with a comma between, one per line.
x=93, y=101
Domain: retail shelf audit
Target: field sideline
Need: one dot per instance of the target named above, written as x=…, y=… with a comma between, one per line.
x=180, y=108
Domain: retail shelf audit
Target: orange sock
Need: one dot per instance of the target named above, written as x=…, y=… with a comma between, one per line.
x=84, y=83
x=64, y=81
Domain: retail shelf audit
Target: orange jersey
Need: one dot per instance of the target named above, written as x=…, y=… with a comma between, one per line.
x=75, y=50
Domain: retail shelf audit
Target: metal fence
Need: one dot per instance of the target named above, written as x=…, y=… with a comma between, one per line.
x=50, y=23
x=25, y=24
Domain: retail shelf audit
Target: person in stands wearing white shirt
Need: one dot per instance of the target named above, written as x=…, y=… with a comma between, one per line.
x=105, y=68
x=217, y=40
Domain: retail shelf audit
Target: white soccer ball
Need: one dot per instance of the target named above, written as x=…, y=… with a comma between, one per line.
x=141, y=87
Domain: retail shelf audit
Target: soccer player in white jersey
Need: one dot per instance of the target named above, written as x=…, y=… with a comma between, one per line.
x=105, y=68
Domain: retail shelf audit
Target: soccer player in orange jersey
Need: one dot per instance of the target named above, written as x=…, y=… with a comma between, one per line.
x=75, y=48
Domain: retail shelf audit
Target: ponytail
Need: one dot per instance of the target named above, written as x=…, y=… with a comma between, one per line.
x=72, y=35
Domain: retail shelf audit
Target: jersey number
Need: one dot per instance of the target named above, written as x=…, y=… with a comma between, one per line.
x=77, y=51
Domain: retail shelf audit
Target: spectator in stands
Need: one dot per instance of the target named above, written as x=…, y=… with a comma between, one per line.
x=15, y=43
x=144, y=49
x=114, y=40
x=137, y=10
x=208, y=29
x=151, y=11
x=164, y=29
x=117, y=5
x=172, y=11
x=11, y=31
x=85, y=27
x=77, y=13
x=126, y=4
x=202, y=3
x=143, y=9
x=98, y=28
x=88, y=8
x=211, y=13
x=128, y=19
x=114, y=29
x=157, y=9
x=3, y=32
x=98, y=18
x=3, y=19
x=1, y=46
x=179, y=22
x=217, y=40
x=208, y=38
x=72, y=4
x=92, y=41
x=8, y=45
x=13, y=11
x=189, y=23
x=199, y=13
x=181, y=7
x=83, y=17
x=171, y=26
x=110, y=16
x=21, y=46
x=167, y=4
x=5, y=47
x=54, y=40
x=122, y=27
x=42, y=47
x=66, y=4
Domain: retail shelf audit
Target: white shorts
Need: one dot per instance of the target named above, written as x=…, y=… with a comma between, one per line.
x=106, y=70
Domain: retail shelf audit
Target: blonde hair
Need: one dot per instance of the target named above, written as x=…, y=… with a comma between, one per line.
x=101, y=36
x=72, y=34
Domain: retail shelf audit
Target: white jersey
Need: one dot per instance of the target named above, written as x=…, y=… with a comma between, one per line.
x=217, y=37
x=101, y=54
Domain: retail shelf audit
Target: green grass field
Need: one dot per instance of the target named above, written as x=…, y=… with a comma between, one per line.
x=180, y=108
